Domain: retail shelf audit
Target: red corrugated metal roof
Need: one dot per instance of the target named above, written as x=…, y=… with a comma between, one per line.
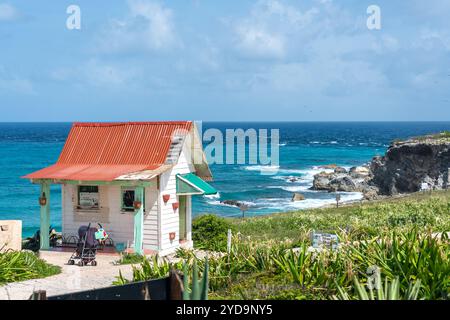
x=105, y=151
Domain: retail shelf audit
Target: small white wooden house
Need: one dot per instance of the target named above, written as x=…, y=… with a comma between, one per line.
x=136, y=179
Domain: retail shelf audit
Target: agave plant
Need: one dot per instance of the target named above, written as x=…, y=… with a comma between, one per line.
x=387, y=291
x=154, y=268
x=199, y=288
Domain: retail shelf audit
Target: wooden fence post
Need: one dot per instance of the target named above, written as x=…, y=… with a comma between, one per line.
x=175, y=286
x=229, y=238
x=39, y=295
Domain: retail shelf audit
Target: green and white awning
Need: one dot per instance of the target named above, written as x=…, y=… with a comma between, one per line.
x=190, y=184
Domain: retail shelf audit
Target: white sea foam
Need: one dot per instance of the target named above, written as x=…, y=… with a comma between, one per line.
x=266, y=169
x=249, y=204
x=213, y=196
x=302, y=182
x=286, y=204
x=324, y=142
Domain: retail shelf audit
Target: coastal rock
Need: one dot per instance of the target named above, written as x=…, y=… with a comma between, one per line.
x=370, y=193
x=298, y=197
x=408, y=166
x=328, y=166
x=333, y=182
x=340, y=170
x=360, y=172
x=233, y=203
x=343, y=183
x=413, y=165
x=322, y=181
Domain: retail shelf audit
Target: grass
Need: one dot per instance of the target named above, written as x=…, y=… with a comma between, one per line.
x=263, y=270
x=271, y=257
x=274, y=270
x=130, y=258
x=20, y=266
x=424, y=210
x=443, y=136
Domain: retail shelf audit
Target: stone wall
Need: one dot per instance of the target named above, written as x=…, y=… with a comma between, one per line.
x=10, y=235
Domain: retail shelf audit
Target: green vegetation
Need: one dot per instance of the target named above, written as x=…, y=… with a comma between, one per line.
x=423, y=210
x=195, y=289
x=443, y=136
x=210, y=232
x=20, y=266
x=154, y=268
x=271, y=257
x=276, y=270
x=130, y=258
x=380, y=291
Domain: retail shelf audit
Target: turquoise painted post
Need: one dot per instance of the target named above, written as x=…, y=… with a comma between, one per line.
x=139, y=220
x=45, y=217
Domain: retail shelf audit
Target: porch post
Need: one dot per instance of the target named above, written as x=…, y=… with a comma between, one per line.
x=139, y=220
x=45, y=217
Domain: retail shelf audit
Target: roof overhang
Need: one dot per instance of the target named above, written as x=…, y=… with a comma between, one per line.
x=190, y=184
x=59, y=173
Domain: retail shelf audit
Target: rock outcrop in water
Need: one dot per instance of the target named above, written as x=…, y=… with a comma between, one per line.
x=235, y=203
x=298, y=197
x=408, y=166
x=355, y=180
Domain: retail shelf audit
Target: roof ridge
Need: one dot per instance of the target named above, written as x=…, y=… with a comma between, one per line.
x=113, y=124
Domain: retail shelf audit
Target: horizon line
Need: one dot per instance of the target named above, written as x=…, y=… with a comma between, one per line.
x=234, y=121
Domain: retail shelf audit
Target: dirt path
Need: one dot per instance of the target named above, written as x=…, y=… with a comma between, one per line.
x=71, y=278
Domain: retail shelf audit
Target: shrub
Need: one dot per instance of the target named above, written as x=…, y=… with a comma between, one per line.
x=210, y=232
x=20, y=266
x=131, y=258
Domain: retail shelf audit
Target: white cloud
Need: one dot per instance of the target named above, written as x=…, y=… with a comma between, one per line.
x=8, y=12
x=265, y=32
x=255, y=41
x=430, y=39
x=148, y=26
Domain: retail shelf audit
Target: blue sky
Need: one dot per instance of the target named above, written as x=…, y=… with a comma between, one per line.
x=229, y=60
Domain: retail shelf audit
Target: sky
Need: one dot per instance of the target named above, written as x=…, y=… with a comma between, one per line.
x=267, y=60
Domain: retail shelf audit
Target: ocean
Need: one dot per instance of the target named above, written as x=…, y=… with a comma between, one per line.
x=304, y=146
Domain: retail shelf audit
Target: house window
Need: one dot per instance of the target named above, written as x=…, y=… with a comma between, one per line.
x=88, y=197
x=128, y=199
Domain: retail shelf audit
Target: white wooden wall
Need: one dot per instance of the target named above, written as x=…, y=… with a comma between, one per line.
x=117, y=223
x=170, y=218
x=151, y=225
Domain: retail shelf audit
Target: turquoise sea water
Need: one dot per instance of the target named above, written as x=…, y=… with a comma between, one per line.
x=26, y=147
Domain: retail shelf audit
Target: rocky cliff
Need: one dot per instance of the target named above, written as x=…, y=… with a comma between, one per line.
x=413, y=165
x=408, y=166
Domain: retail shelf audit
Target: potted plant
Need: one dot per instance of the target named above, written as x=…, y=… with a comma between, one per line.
x=175, y=206
x=172, y=236
x=137, y=205
x=166, y=197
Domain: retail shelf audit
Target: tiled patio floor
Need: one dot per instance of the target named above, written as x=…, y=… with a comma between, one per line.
x=71, y=279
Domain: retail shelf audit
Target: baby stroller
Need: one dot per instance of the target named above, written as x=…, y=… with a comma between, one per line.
x=86, y=247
